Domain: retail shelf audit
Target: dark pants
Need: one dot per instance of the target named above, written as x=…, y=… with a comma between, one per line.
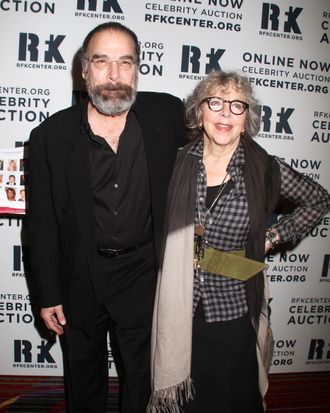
x=224, y=367
x=126, y=290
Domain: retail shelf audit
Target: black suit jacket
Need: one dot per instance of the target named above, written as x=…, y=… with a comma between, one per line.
x=61, y=221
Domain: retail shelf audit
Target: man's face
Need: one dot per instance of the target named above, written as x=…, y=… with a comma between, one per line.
x=112, y=88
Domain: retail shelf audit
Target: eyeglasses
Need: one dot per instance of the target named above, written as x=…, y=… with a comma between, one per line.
x=215, y=103
x=103, y=62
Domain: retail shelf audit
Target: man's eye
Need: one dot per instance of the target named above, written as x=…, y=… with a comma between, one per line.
x=125, y=63
x=100, y=61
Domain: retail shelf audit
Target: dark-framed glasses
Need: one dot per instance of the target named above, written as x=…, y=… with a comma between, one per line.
x=215, y=103
x=103, y=62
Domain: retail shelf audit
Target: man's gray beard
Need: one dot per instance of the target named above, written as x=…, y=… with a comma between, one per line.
x=109, y=104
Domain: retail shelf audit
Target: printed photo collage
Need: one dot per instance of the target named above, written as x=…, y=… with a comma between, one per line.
x=13, y=181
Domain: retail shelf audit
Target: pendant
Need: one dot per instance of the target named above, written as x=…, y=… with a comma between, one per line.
x=199, y=230
x=199, y=251
x=196, y=264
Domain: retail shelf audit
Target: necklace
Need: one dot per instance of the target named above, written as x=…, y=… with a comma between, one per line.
x=200, y=227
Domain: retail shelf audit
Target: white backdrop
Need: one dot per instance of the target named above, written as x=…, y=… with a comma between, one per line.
x=282, y=46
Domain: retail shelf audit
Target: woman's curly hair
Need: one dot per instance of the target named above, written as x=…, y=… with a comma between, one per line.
x=208, y=86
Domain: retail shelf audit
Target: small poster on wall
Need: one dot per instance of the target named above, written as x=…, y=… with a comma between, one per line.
x=13, y=180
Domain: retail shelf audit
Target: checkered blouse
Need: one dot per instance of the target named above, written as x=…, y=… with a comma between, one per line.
x=228, y=225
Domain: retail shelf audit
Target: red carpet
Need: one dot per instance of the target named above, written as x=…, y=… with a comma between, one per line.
x=288, y=393
x=299, y=393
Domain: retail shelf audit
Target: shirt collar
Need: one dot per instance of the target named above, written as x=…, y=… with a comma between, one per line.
x=197, y=148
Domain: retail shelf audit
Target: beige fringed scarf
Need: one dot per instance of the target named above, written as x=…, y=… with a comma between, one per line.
x=172, y=322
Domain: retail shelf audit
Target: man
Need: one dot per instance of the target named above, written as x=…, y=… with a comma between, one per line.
x=99, y=173
x=22, y=195
x=11, y=180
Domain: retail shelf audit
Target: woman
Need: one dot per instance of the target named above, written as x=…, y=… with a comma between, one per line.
x=11, y=194
x=211, y=339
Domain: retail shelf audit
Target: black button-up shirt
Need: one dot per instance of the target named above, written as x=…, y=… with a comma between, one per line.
x=120, y=188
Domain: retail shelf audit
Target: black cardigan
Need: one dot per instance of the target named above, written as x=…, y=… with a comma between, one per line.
x=263, y=183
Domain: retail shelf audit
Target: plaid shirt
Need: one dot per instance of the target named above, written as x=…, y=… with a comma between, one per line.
x=227, y=228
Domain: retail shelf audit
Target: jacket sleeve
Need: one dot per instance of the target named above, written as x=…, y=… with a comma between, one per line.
x=42, y=226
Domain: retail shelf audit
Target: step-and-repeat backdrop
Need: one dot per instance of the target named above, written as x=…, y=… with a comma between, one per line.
x=282, y=46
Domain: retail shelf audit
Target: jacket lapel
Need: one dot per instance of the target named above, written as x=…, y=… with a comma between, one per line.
x=151, y=122
x=77, y=169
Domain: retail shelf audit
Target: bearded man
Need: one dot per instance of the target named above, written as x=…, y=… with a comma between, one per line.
x=99, y=173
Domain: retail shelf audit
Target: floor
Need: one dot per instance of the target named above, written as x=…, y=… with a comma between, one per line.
x=288, y=393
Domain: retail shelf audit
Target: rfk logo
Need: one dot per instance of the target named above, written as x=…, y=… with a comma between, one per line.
x=326, y=266
x=318, y=349
x=192, y=56
x=24, y=352
x=21, y=260
x=30, y=46
x=272, y=18
x=280, y=119
x=107, y=5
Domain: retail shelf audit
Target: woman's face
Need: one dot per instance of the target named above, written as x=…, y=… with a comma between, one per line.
x=223, y=128
x=12, y=166
x=10, y=195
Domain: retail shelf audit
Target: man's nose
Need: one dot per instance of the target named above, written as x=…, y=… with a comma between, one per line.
x=113, y=70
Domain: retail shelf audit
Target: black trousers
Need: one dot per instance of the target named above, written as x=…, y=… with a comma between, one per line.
x=224, y=367
x=126, y=288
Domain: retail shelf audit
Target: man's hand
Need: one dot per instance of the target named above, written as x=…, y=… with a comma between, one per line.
x=54, y=318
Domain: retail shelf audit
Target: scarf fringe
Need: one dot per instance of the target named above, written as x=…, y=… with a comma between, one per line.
x=169, y=400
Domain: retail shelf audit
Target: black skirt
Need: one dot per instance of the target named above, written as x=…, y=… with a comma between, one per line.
x=224, y=367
